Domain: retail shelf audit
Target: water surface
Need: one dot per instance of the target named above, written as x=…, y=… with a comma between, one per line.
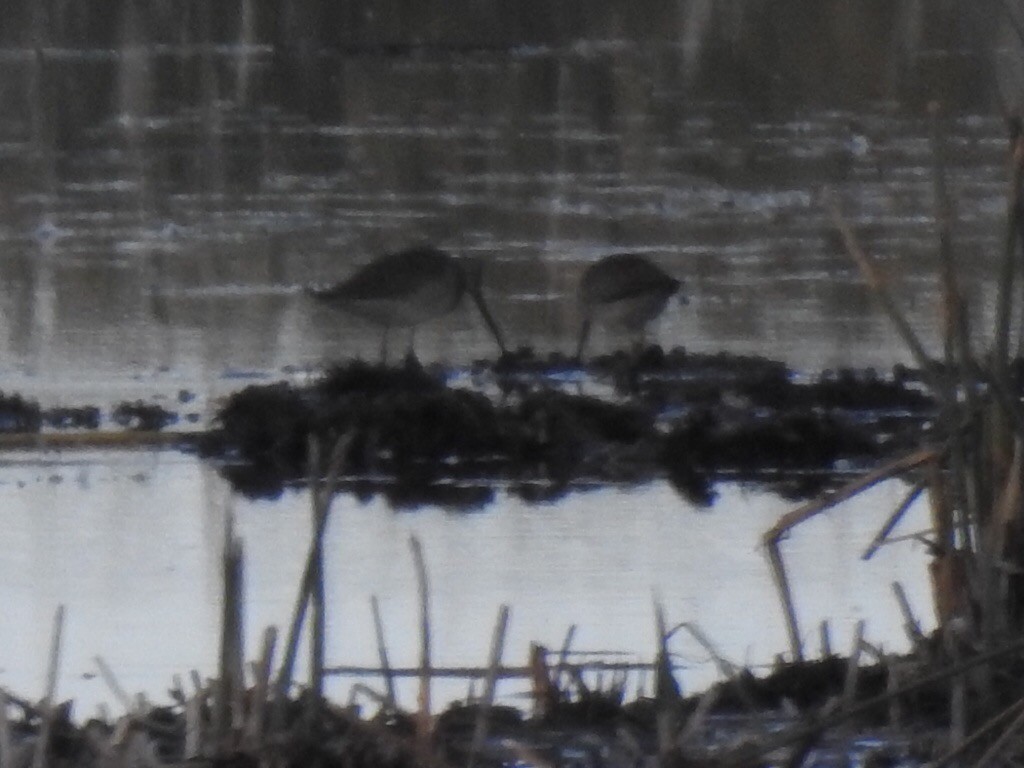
x=131, y=545
x=159, y=221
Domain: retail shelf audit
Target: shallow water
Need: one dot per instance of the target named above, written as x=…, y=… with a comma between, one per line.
x=155, y=246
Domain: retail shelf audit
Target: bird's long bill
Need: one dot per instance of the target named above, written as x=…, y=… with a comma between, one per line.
x=485, y=313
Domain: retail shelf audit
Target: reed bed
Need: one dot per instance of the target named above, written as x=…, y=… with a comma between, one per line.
x=970, y=466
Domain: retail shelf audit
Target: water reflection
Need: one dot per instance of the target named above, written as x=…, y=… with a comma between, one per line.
x=131, y=544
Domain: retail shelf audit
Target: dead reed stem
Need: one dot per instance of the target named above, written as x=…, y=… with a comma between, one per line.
x=6, y=748
x=423, y=719
x=853, y=666
x=382, y=654
x=869, y=268
x=504, y=672
x=957, y=689
x=1007, y=273
x=491, y=684
x=825, y=639
x=666, y=691
x=227, y=705
x=883, y=533
x=285, y=674
x=818, y=505
x=261, y=687
x=979, y=733
x=910, y=623
x=317, y=597
x=785, y=590
x=563, y=655
x=115, y=687
x=726, y=668
x=834, y=718
x=773, y=537
x=39, y=758
x=956, y=345
x=1000, y=743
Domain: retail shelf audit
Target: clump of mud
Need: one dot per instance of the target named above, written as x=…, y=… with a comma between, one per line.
x=538, y=427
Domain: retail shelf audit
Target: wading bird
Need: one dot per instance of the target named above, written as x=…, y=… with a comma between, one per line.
x=404, y=289
x=623, y=290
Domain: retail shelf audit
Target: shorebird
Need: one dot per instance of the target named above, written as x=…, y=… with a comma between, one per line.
x=406, y=288
x=623, y=290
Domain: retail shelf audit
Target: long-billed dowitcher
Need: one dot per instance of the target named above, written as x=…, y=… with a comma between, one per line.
x=409, y=287
x=623, y=290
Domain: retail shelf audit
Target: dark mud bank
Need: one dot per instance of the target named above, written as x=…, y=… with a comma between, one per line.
x=542, y=427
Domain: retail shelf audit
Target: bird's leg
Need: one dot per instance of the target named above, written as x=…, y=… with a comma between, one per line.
x=384, y=346
x=410, y=352
x=584, y=334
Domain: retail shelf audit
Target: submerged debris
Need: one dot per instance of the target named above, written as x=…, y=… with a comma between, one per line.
x=18, y=414
x=142, y=416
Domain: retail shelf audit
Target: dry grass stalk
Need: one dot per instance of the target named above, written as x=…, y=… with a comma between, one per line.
x=111, y=680
x=726, y=668
x=6, y=743
x=853, y=666
x=997, y=747
x=285, y=674
x=1008, y=268
x=887, y=528
x=873, y=274
x=910, y=623
x=825, y=638
x=836, y=717
x=773, y=537
x=690, y=734
x=563, y=655
x=423, y=717
x=317, y=596
x=892, y=684
x=544, y=693
x=982, y=732
x=490, y=686
x=666, y=692
x=194, y=733
x=382, y=654
x=39, y=758
x=263, y=670
x=231, y=678
x=957, y=688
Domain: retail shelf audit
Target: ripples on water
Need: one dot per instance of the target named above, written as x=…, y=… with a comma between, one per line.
x=161, y=248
